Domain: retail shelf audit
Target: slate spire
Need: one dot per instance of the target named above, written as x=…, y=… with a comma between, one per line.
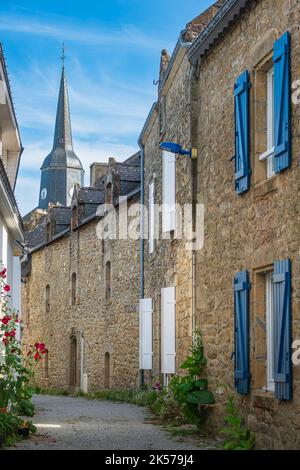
x=61, y=169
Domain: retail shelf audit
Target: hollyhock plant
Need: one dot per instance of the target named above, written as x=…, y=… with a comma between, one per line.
x=16, y=371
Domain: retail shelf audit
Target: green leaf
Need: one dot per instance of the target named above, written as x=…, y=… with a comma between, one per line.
x=202, y=384
x=202, y=397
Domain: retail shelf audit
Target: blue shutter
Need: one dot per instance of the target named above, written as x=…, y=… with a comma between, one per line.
x=241, y=356
x=242, y=133
x=283, y=330
x=282, y=103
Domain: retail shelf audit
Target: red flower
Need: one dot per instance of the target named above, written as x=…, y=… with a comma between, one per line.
x=3, y=273
x=37, y=356
x=5, y=320
x=6, y=288
x=10, y=334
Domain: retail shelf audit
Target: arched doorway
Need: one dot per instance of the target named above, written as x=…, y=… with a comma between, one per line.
x=107, y=370
x=73, y=361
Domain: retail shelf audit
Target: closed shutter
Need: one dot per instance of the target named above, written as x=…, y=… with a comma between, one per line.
x=169, y=191
x=282, y=97
x=241, y=357
x=283, y=330
x=151, y=217
x=242, y=133
x=146, y=334
x=168, y=331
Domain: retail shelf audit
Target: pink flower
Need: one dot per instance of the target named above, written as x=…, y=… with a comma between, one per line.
x=6, y=288
x=5, y=320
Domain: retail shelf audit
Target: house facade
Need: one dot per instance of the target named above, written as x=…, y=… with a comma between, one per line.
x=11, y=229
x=80, y=290
x=81, y=277
x=246, y=68
x=167, y=295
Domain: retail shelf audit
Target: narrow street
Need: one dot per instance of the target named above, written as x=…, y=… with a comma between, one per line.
x=66, y=423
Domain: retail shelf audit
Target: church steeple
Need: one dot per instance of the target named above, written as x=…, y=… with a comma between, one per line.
x=62, y=168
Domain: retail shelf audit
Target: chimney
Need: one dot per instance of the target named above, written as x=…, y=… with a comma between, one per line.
x=97, y=170
x=164, y=62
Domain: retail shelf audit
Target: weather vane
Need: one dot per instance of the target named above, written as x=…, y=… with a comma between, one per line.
x=63, y=55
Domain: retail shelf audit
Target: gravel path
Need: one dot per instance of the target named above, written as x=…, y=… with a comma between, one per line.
x=77, y=423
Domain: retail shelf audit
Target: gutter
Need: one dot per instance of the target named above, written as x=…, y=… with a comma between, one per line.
x=222, y=19
x=10, y=205
x=17, y=171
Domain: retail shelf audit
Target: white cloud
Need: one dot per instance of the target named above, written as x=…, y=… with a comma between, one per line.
x=65, y=30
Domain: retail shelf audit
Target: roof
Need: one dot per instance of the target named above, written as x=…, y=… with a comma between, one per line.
x=62, y=153
x=2, y=60
x=228, y=11
x=10, y=195
x=90, y=196
x=37, y=235
x=60, y=214
x=187, y=36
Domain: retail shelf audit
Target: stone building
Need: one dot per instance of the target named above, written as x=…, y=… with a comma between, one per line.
x=245, y=65
x=81, y=279
x=167, y=306
x=11, y=227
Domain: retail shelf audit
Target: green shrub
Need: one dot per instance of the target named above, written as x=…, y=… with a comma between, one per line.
x=238, y=436
x=191, y=391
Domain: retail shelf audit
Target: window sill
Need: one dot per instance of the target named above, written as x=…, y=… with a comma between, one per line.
x=265, y=187
x=264, y=399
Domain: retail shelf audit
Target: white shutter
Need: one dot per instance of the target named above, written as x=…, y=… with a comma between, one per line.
x=151, y=217
x=169, y=191
x=146, y=334
x=168, y=330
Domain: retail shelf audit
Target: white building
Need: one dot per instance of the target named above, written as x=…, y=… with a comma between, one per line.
x=11, y=232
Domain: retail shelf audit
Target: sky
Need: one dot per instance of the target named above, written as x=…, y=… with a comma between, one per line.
x=112, y=57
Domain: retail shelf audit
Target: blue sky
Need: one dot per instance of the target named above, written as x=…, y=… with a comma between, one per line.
x=113, y=51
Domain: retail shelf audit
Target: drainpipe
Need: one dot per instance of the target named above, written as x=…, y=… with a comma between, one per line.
x=142, y=222
x=193, y=132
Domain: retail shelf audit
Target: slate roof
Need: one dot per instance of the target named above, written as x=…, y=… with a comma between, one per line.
x=228, y=11
x=62, y=154
x=36, y=236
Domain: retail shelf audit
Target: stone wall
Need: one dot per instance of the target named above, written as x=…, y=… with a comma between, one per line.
x=98, y=326
x=250, y=231
x=170, y=265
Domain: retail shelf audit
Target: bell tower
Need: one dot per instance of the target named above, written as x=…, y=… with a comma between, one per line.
x=61, y=169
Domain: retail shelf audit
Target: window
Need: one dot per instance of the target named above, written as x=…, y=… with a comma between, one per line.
x=151, y=217
x=264, y=329
x=73, y=361
x=74, y=289
x=48, y=299
x=268, y=155
x=270, y=322
x=108, y=281
x=169, y=191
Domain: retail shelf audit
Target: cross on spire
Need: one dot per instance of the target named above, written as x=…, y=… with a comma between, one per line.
x=63, y=55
